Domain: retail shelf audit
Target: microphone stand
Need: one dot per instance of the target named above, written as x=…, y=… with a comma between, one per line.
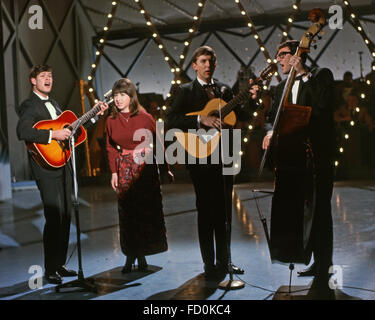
x=227, y=284
x=81, y=282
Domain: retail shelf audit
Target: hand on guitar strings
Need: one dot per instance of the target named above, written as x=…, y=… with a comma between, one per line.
x=211, y=121
x=61, y=135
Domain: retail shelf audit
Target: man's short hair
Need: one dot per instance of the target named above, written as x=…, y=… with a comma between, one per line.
x=35, y=70
x=293, y=46
x=348, y=74
x=204, y=51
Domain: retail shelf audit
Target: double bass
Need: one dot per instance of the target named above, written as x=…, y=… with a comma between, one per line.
x=293, y=201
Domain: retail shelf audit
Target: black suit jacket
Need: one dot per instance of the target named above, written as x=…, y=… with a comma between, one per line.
x=318, y=92
x=192, y=97
x=31, y=111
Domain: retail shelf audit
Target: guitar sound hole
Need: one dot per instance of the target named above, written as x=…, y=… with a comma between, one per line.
x=214, y=114
x=77, y=133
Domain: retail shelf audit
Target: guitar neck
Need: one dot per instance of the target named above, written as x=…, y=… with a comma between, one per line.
x=238, y=99
x=87, y=116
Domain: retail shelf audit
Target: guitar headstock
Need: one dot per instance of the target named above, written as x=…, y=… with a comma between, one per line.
x=268, y=72
x=317, y=17
x=108, y=97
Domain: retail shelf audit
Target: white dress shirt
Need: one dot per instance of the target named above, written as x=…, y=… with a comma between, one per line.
x=295, y=89
x=202, y=83
x=52, y=111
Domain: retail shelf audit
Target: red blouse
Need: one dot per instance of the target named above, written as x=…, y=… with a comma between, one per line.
x=120, y=132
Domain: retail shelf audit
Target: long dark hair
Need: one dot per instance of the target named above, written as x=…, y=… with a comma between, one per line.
x=124, y=85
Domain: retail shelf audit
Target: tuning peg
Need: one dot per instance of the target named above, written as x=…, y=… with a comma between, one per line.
x=315, y=47
x=320, y=37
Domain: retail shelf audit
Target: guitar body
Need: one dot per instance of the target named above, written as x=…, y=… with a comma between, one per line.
x=57, y=153
x=202, y=146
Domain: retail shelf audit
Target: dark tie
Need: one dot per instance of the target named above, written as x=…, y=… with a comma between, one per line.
x=209, y=88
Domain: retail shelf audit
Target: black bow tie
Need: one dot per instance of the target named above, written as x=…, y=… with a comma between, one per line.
x=211, y=85
x=47, y=100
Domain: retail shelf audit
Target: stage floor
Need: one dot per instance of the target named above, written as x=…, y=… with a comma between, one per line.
x=177, y=273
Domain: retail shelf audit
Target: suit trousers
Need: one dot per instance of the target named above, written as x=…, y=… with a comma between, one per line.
x=322, y=228
x=57, y=203
x=214, y=204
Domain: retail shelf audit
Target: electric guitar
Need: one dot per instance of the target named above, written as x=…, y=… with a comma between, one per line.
x=57, y=153
x=203, y=144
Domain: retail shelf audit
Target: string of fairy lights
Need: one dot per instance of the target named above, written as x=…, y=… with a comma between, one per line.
x=285, y=34
x=100, y=48
x=192, y=32
x=289, y=24
x=358, y=26
x=355, y=22
x=259, y=102
x=256, y=35
x=176, y=69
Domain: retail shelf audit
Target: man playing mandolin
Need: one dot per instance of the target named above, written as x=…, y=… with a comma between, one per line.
x=54, y=184
x=315, y=88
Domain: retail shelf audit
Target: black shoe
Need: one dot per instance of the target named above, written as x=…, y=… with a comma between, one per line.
x=222, y=268
x=128, y=265
x=237, y=270
x=142, y=264
x=64, y=272
x=53, y=277
x=308, y=272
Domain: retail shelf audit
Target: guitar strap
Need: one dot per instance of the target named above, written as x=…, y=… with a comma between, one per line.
x=58, y=110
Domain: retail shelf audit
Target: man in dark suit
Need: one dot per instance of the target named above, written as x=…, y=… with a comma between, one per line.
x=313, y=87
x=213, y=189
x=55, y=185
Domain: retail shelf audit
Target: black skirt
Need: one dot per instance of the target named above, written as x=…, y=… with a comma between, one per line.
x=141, y=217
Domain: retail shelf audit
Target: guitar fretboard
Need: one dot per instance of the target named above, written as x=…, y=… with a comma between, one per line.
x=238, y=99
x=90, y=114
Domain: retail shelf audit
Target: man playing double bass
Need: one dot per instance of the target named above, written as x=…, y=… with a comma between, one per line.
x=312, y=87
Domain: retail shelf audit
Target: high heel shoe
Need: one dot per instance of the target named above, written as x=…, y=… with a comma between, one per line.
x=142, y=264
x=128, y=264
